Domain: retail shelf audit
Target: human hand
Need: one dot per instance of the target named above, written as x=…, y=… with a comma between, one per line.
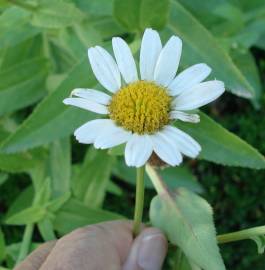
x=108, y=245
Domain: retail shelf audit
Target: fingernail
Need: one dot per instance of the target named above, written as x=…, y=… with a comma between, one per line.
x=152, y=251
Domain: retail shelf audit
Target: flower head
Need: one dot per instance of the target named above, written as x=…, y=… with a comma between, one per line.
x=140, y=111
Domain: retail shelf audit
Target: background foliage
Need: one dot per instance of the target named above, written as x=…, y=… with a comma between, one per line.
x=50, y=185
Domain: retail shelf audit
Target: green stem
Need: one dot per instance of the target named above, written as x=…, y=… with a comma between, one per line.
x=241, y=235
x=25, y=245
x=139, y=201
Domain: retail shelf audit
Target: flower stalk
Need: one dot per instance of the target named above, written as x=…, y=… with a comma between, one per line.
x=139, y=200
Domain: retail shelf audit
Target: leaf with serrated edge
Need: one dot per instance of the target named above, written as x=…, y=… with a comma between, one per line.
x=187, y=220
x=221, y=146
x=203, y=47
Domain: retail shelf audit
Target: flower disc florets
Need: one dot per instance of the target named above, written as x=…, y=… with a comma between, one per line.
x=141, y=107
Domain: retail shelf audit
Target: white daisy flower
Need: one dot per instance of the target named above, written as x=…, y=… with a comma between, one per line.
x=140, y=109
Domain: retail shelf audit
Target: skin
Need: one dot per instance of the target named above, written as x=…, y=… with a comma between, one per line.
x=108, y=245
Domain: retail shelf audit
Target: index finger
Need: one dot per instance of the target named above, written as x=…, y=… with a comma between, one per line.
x=37, y=257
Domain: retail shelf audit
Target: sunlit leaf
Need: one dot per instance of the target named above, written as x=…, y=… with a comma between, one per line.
x=187, y=220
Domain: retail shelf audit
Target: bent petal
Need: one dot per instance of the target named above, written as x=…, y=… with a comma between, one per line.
x=150, y=49
x=138, y=150
x=185, y=117
x=188, y=78
x=125, y=61
x=111, y=136
x=88, y=132
x=168, y=61
x=185, y=143
x=105, y=68
x=87, y=105
x=199, y=95
x=166, y=149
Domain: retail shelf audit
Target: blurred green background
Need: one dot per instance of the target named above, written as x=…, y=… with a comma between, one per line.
x=49, y=184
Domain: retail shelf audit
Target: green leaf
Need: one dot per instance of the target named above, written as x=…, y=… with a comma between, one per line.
x=187, y=220
x=3, y=178
x=46, y=125
x=2, y=246
x=22, y=201
x=60, y=166
x=54, y=205
x=201, y=46
x=246, y=63
x=29, y=49
x=43, y=193
x=15, y=27
x=22, y=85
x=56, y=14
x=75, y=215
x=95, y=7
x=260, y=241
x=221, y=146
x=21, y=162
x=182, y=263
x=117, y=150
x=137, y=15
x=46, y=229
x=91, y=183
x=114, y=189
x=30, y=215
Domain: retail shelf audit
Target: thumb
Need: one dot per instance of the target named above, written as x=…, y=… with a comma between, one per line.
x=148, y=251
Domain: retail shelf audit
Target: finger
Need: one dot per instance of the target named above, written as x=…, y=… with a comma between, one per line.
x=37, y=257
x=148, y=251
x=102, y=246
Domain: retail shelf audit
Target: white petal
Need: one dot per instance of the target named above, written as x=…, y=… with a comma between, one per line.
x=88, y=132
x=168, y=61
x=105, y=68
x=87, y=105
x=111, y=136
x=188, y=78
x=166, y=149
x=124, y=60
x=92, y=95
x=199, y=95
x=138, y=150
x=185, y=143
x=185, y=117
x=150, y=49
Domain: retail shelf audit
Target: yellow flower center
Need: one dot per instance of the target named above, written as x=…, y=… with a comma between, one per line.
x=141, y=107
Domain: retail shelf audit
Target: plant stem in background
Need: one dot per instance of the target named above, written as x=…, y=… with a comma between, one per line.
x=25, y=245
x=139, y=200
x=241, y=235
